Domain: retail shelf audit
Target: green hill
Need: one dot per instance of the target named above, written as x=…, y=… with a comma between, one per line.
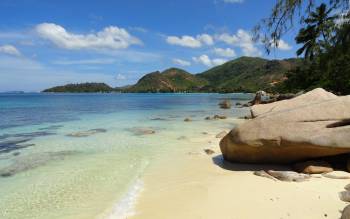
x=248, y=74
x=81, y=88
x=245, y=74
x=170, y=80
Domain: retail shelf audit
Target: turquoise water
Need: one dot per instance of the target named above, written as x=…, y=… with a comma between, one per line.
x=80, y=155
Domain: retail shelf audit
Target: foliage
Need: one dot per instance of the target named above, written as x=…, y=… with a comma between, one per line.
x=81, y=88
x=330, y=68
x=285, y=14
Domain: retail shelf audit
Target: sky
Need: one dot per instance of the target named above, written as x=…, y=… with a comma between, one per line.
x=47, y=43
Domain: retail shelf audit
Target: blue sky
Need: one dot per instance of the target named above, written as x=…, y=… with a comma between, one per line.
x=47, y=43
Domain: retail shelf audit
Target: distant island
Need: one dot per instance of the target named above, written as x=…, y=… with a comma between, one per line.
x=245, y=74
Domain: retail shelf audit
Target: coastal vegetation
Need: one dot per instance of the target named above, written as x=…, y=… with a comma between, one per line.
x=81, y=88
x=325, y=43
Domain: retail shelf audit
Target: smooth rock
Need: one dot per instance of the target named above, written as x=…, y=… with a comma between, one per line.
x=344, y=196
x=346, y=213
x=313, y=167
x=221, y=134
x=337, y=175
x=291, y=135
x=263, y=173
x=289, y=176
x=314, y=96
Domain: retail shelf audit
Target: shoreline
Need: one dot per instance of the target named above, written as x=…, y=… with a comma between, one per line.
x=192, y=184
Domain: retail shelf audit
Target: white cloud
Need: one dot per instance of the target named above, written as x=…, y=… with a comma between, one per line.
x=282, y=45
x=120, y=77
x=190, y=41
x=242, y=39
x=206, y=39
x=233, y=1
x=9, y=50
x=185, y=41
x=228, y=52
x=181, y=62
x=111, y=37
x=205, y=60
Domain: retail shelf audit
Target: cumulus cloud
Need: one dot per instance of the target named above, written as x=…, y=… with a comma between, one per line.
x=181, y=62
x=190, y=41
x=205, y=60
x=282, y=45
x=242, y=39
x=9, y=50
x=228, y=52
x=111, y=37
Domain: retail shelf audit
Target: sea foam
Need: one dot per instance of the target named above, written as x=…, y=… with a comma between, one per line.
x=126, y=206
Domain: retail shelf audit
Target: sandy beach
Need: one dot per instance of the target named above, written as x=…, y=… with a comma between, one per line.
x=192, y=184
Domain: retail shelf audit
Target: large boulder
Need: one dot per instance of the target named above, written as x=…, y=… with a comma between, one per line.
x=314, y=96
x=303, y=128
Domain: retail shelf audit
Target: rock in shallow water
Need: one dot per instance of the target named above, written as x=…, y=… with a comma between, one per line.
x=87, y=133
x=142, y=131
x=299, y=130
x=32, y=161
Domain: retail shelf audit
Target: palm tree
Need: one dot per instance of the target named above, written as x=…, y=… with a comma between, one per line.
x=317, y=33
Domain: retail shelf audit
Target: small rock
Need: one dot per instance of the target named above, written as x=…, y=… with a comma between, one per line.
x=209, y=151
x=226, y=104
x=346, y=213
x=187, y=120
x=16, y=154
x=208, y=118
x=337, y=175
x=219, y=117
x=347, y=187
x=313, y=167
x=221, y=134
x=344, y=196
x=263, y=173
x=289, y=176
x=204, y=133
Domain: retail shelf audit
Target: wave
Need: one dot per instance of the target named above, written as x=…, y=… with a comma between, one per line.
x=126, y=206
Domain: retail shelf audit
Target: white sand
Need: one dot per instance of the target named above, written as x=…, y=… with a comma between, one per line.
x=190, y=185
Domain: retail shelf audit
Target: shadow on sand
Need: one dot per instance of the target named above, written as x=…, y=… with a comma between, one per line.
x=219, y=161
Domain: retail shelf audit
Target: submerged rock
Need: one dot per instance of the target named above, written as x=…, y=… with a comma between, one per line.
x=225, y=104
x=289, y=176
x=313, y=167
x=32, y=161
x=187, y=120
x=300, y=130
x=142, y=131
x=87, y=133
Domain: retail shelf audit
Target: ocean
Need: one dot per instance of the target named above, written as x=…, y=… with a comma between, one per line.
x=84, y=155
